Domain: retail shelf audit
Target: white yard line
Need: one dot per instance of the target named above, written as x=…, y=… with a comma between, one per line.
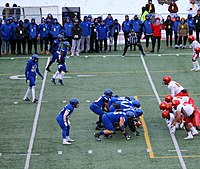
x=178, y=151
x=28, y=157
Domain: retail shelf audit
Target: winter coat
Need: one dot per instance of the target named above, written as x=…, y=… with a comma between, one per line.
x=173, y=8
x=147, y=27
x=76, y=32
x=183, y=29
x=102, y=31
x=67, y=29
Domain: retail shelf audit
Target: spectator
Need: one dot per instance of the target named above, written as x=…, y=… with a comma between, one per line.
x=190, y=22
x=43, y=31
x=76, y=38
x=6, y=31
x=148, y=32
x=0, y=35
x=90, y=19
x=14, y=24
x=173, y=9
x=192, y=8
x=109, y=20
x=136, y=25
x=21, y=37
x=6, y=13
x=183, y=30
x=157, y=26
x=68, y=25
x=55, y=30
x=150, y=7
x=175, y=29
x=16, y=11
x=85, y=37
x=93, y=36
x=26, y=23
x=126, y=28
x=102, y=35
x=32, y=30
x=116, y=30
x=197, y=24
x=169, y=30
x=143, y=14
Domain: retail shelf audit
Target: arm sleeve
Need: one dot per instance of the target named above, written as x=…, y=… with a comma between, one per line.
x=38, y=72
x=26, y=70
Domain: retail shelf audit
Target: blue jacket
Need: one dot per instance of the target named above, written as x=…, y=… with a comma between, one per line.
x=102, y=32
x=6, y=31
x=43, y=30
x=136, y=25
x=32, y=30
x=115, y=29
x=108, y=21
x=67, y=29
x=13, y=26
x=126, y=26
x=190, y=22
x=31, y=69
x=85, y=25
x=175, y=27
x=147, y=27
x=55, y=30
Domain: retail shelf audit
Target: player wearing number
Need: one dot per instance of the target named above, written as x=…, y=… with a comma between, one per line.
x=100, y=106
x=30, y=75
x=196, y=49
x=54, y=49
x=62, y=69
x=175, y=88
x=63, y=120
x=109, y=119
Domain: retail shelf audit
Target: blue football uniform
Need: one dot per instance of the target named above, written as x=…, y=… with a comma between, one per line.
x=61, y=60
x=55, y=47
x=30, y=72
x=125, y=104
x=109, y=119
x=68, y=110
x=97, y=105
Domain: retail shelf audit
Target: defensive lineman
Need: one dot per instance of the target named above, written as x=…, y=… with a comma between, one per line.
x=30, y=74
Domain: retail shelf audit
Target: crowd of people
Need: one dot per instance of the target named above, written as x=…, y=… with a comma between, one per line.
x=98, y=34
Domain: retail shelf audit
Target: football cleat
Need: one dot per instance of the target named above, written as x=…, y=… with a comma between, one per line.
x=65, y=142
x=47, y=69
x=53, y=81
x=195, y=132
x=189, y=137
x=69, y=139
x=35, y=100
x=97, y=136
x=61, y=82
x=26, y=99
x=108, y=136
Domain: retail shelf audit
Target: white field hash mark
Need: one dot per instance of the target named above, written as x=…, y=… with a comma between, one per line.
x=182, y=162
x=28, y=157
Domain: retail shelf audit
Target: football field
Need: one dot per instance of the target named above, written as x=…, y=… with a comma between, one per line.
x=30, y=137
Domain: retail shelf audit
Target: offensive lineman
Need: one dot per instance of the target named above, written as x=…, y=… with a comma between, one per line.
x=30, y=74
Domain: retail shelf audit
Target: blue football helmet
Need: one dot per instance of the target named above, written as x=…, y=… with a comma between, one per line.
x=35, y=57
x=139, y=112
x=130, y=114
x=132, y=98
x=74, y=102
x=66, y=44
x=136, y=103
x=108, y=92
x=60, y=36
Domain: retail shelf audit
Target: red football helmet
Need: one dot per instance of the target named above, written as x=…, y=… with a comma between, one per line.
x=166, y=80
x=163, y=106
x=168, y=98
x=165, y=114
x=175, y=103
x=169, y=106
x=191, y=38
x=197, y=50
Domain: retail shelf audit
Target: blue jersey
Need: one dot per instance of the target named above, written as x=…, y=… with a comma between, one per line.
x=61, y=60
x=56, y=46
x=68, y=109
x=32, y=69
x=114, y=117
x=103, y=99
x=136, y=115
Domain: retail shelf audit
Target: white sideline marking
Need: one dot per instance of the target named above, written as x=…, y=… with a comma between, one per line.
x=28, y=157
x=59, y=152
x=175, y=150
x=89, y=151
x=85, y=75
x=64, y=101
x=180, y=157
x=88, y=101
x=0, y=154
x=26, y=154
x=15, y=102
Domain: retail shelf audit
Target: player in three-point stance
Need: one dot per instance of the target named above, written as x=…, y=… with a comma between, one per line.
x=63, y=120
x=30, y=75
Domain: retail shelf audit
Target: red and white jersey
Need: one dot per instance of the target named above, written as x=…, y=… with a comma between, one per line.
x=182, y=99
x=189, y=109
x=194, y=45
x=175, y=88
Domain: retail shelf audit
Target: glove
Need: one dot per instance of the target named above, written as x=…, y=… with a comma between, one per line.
x=26, y=80
x=182, y=124
x=172, y=130
x=66, y=124
x=42, y=77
